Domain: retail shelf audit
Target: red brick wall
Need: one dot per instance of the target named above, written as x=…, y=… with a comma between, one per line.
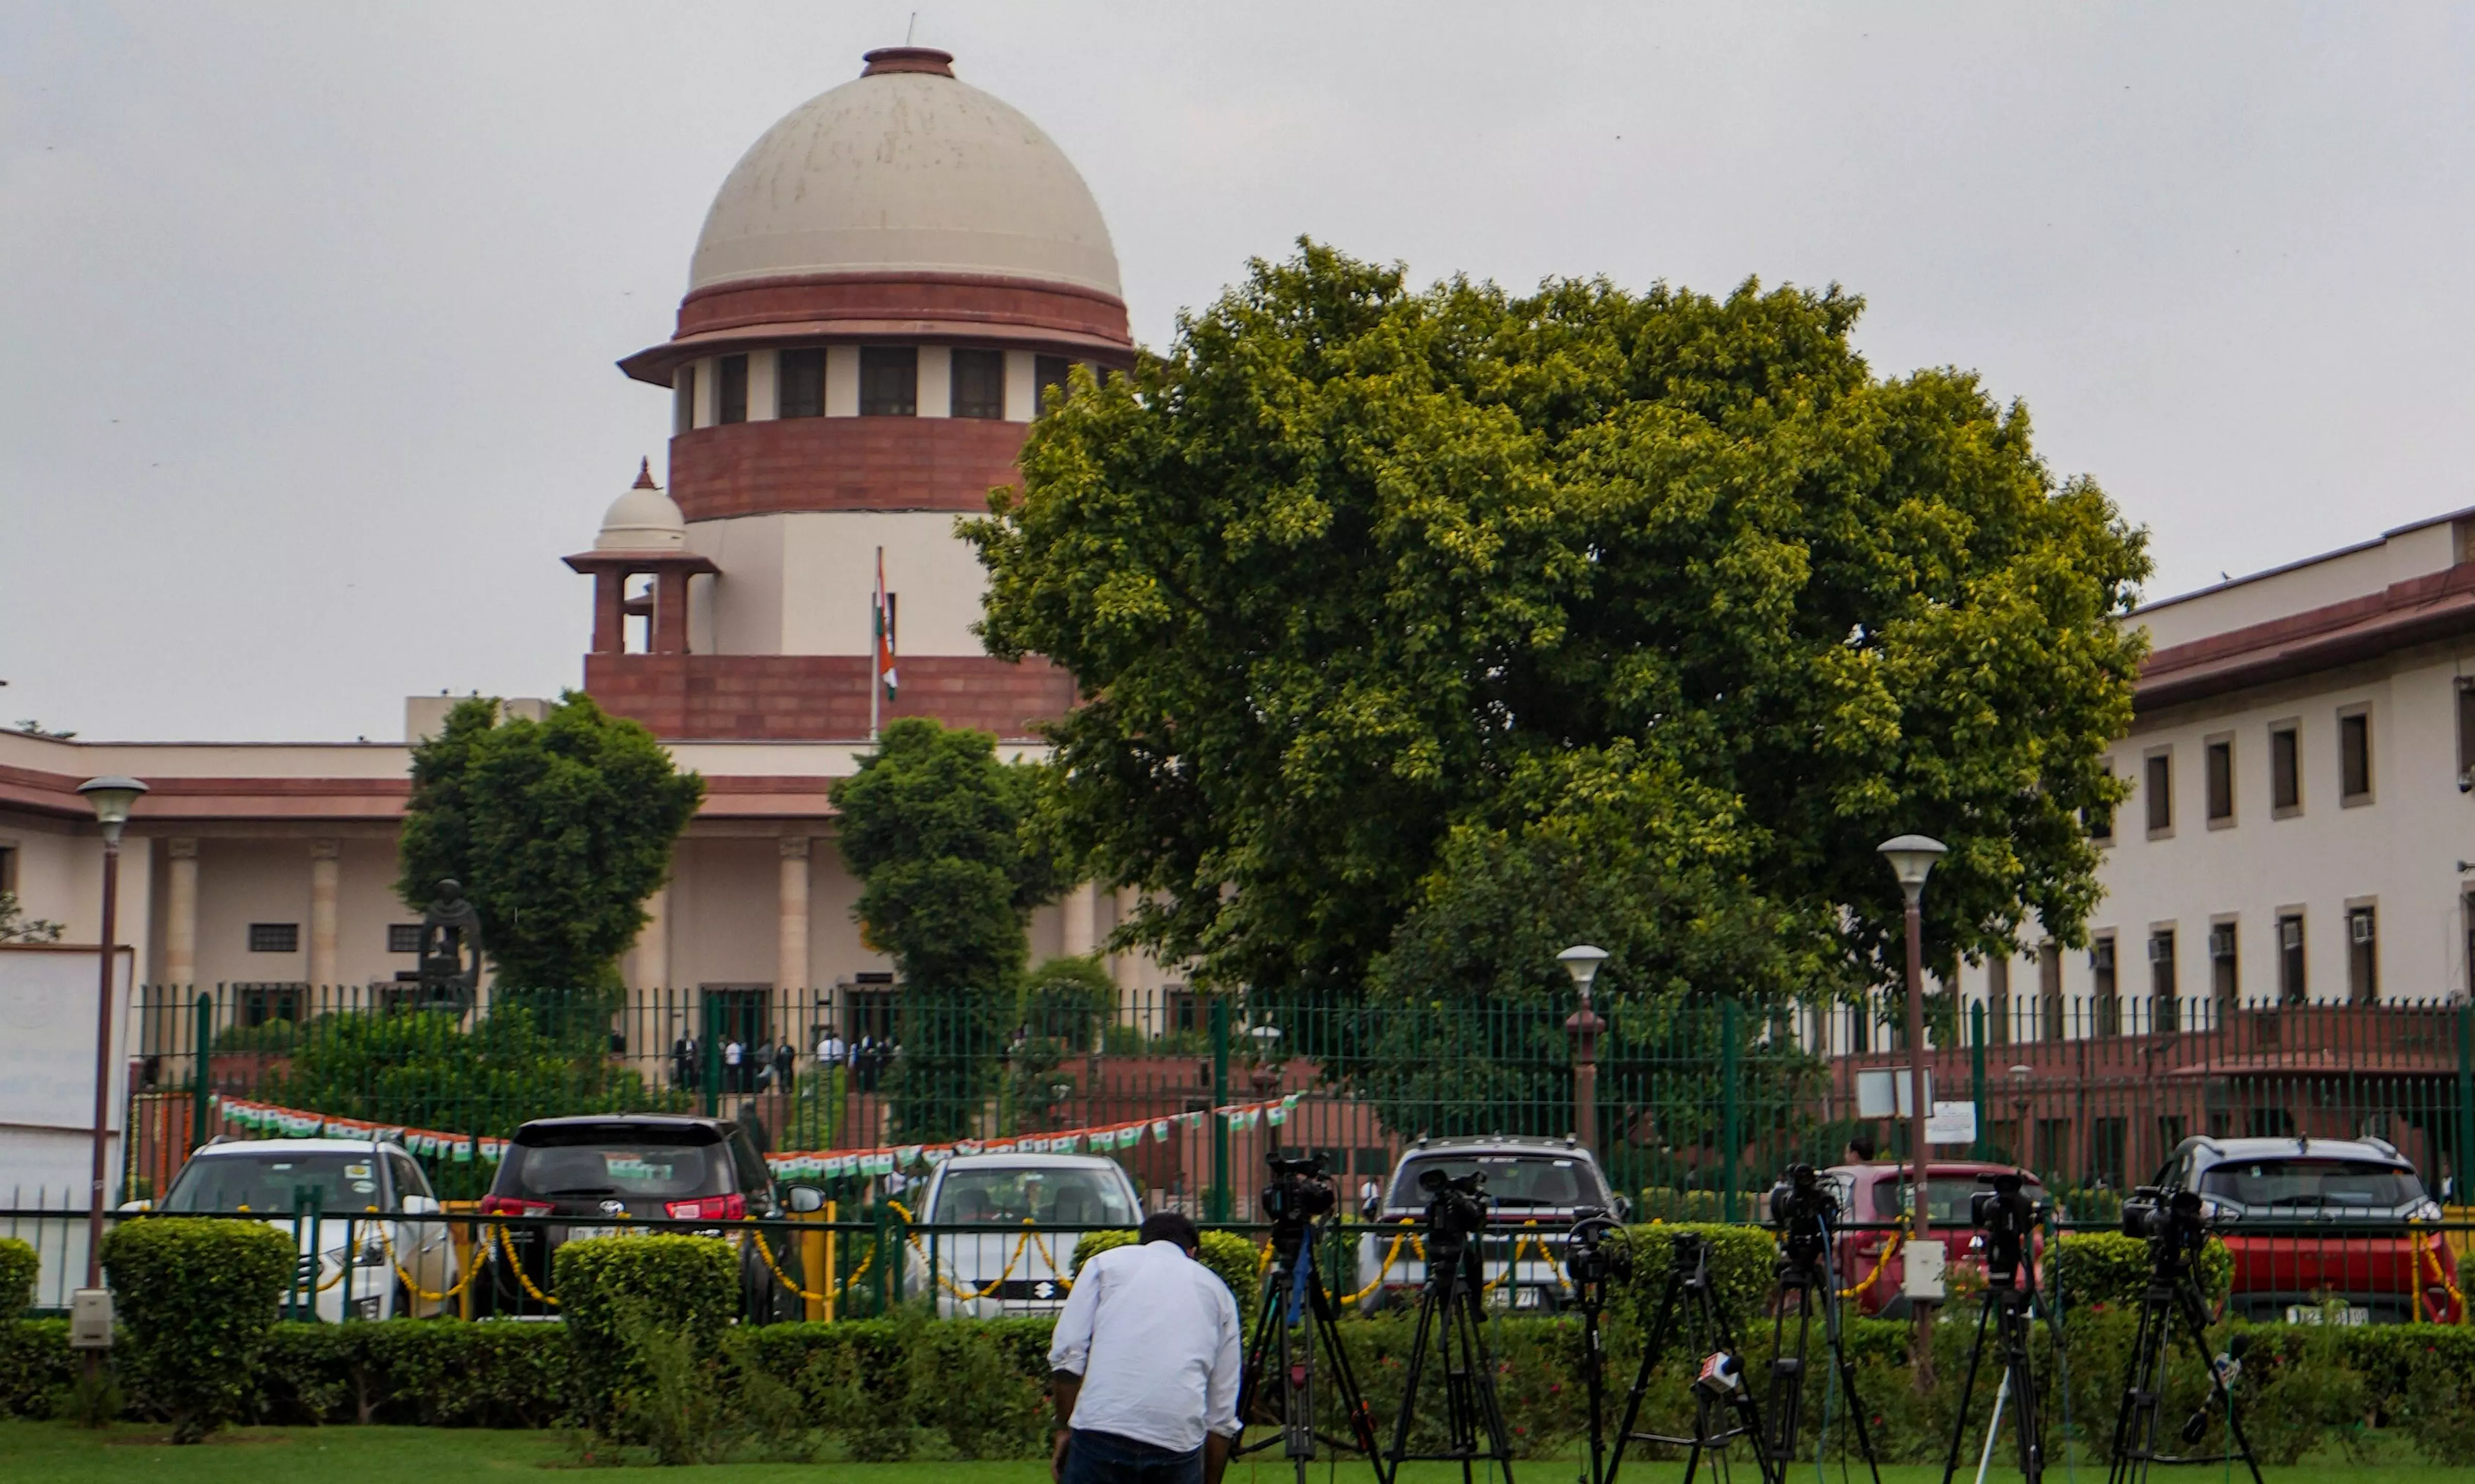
x=843, y=464
x=812, y=697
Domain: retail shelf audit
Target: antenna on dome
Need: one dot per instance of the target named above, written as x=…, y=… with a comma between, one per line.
x=913, y=27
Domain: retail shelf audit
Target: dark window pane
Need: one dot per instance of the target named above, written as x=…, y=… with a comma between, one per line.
x=275, y=937
x=2285, y=775
x=801, y=384
x=2161, y=791
x=2160, y=981
x=683, y=401
x=2362, y=956
x=730, y=393
x=889, y=381
x=2291, y=988
x=2222, y=780
x=979, y=384
x=1051, y=371
x=2355, y=754
x=404, y=938
x=2465, y=731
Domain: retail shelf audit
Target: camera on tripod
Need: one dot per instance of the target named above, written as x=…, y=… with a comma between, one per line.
x=1590, y=1260
x=1801, y=1198
x=2004, y=1209
x=1300, y=1190
x=2176, y=1220
x=1456, y=1203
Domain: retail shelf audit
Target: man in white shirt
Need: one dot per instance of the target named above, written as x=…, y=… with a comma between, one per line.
x=1144, y=1364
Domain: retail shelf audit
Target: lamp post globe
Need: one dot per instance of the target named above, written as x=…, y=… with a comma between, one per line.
x=1911, y=859
x=112, y=797
x=1582, y=961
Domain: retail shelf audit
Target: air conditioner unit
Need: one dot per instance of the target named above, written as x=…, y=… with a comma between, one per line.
x=2359, y=926
x=2289, y=933
x=2221, y=942
x=2161, y=948
x=2102, y=955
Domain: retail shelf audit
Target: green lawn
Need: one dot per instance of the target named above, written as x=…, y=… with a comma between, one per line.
x=55, y=1453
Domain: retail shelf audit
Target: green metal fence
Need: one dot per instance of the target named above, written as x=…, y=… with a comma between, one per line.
x=1700, y=1104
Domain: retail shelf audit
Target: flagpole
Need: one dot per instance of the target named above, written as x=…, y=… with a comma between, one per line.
x=875, y=643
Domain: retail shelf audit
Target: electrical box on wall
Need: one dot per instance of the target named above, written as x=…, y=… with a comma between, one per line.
x=91, y=1319
x=1921, y=1269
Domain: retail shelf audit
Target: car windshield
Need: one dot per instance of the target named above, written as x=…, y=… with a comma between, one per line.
x=1947, y=1197
x=2311, y=1184
x=266, y=1182
x=1511, y=1180
x=617, y=1160
x=1067, y=1197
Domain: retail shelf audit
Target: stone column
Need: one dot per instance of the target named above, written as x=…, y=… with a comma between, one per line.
x=180, y=913
x=1081, y=927
x=326, y=884
x=791, y=944
x=652, y=952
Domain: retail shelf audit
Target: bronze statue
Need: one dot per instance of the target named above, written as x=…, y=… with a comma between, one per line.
x=451, y=951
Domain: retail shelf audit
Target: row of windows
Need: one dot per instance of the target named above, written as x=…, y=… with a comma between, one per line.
x=286, y=937
x=889, y=384
x=2225, y=964
x=2285, y=744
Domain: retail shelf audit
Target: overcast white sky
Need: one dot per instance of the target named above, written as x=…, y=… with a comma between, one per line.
x=308, y=312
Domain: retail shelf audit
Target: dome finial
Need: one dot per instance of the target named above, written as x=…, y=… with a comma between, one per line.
x=645, y=474
x=907, y=58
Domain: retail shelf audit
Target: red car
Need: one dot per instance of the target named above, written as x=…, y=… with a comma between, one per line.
x=1876, y=1195
x=2322, y=1230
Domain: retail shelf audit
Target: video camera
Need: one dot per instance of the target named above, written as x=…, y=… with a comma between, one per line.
x=1300, y=1191
x=1590, y=1260
x=2007, y=1214
x=2173, y=1221
x=1455, y=1205
x=1801, y=1198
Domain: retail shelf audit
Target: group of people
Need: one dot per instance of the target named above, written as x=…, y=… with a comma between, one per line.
x=753, y=1066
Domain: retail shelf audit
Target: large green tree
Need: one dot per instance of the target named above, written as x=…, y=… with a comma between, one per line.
x=557, y=830
x=934, y=827
x=1356, y=570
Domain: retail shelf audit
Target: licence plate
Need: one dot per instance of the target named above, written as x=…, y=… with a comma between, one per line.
x=579, y=1234
x=2316, y=1314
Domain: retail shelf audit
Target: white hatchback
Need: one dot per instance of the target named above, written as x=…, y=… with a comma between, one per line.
x=994, y=1265
x=393, y=1262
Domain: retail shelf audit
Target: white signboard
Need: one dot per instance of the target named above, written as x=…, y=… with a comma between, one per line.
x=1952, y=1122
x=1886, y=1092
x=47, y=1013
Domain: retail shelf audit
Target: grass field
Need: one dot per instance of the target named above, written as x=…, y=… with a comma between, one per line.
x=55, y=1453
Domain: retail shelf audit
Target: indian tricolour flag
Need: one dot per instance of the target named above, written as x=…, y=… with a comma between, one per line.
x=881, y=614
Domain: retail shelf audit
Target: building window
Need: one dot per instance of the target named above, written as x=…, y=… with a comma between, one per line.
x=2225, y=976
x=2160, y=784
x=2099, y=819
x=2362, y=956
x=2049, y=991
x=2164, y=1014
x=730, y=389
x=979, y=384
x=2354, y=758
x=2107, y=1141
x=263, y=1003
x=2290, y=987
x=683, y=399
x=404, y=938
x=2220, y=759
x=2466, y=734
x=889, y=381
x=1998, y=1001
x=8, y=869
x=799, y=384
x=2107, y=999
x=2285, y=771
x=1051, y=370
x=275, y=937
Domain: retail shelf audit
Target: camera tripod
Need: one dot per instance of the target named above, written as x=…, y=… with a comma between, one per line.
x=1278, y=1381
x=1719, y=1384
x=1806, y=1282
x=2173, y=1293
x=2008, y=1307
x=1451, y=1323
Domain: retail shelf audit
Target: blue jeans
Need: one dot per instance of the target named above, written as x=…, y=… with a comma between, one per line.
x=1106, y=1458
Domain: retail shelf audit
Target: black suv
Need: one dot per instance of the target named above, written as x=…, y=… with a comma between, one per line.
x=598, y=1174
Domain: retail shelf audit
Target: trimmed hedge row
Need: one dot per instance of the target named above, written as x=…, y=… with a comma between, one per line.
x=912, y=1386
x=194, y=1300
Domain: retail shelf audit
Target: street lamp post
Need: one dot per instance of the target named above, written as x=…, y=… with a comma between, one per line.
x=1912, y=859
x=112, y=797
x=1582, y=961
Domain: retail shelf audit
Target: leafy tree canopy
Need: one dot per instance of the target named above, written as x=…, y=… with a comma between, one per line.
x=557, y=830
x=1369, y=587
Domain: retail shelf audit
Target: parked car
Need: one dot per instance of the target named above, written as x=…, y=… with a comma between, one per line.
x=1005, y=1270
x=350, y=1176
x=1542, y=1180
x=1876, y=1195
x=600, y=1175
x=2320, y=1229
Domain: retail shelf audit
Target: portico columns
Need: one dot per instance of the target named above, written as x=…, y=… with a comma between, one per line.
x=653, y=942
x=180, y=913
x=791, y=944
x=1081, y=928
x=326, y=882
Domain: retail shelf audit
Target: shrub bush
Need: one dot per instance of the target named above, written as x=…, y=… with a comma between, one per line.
x=616, y=1292
x=18, y=1269
x=195, y=1299
x=2110, y=1270
x=1238, y=1261
x=1742, y=1260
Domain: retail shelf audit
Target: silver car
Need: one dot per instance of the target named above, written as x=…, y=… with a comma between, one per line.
x=1005, y=1268
x=1536, y=1187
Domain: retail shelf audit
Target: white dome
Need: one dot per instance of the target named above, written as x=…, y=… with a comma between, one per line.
x=643, y=519
x=905, y=170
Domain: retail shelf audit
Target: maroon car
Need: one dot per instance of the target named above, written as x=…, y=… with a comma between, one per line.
x=1876, y=1196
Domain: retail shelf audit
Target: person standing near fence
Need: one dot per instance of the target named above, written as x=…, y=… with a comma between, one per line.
x=733, y=1053
x=1144, y=1365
